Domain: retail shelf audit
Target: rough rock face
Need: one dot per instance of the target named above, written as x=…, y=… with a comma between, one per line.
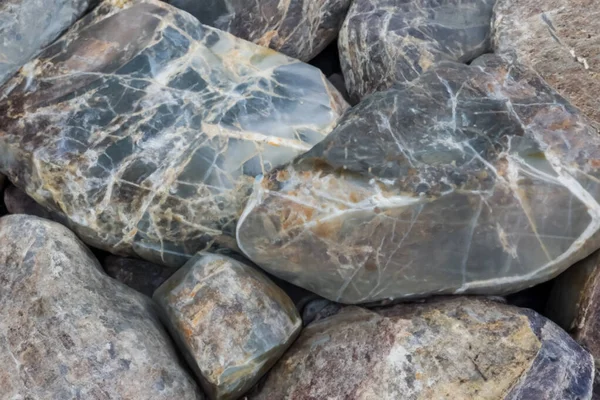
x=68, y=331
x=457, y=349
x=560, y=40
x=231, y=322
x=18, y=202
x=471, y=179
x=140, y=275
x=298, y=28
x=386, y=41
x=26, y=26
x=146, y=128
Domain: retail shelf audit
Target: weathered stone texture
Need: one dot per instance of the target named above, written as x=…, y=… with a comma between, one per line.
x=232, y=322
x=460, y=348
x=386, y=41
x=560, y=39
x=298, y=28
x=67, y=331
x=471, y=179
x=146, y=128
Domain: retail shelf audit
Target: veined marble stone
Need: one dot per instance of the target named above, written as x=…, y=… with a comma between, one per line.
x=470, y=179
x=232, y=323
x=560, y=39
x=26, y=26
x=146, y=128
x=68, y=331
x=386, y=41
x=460, y=348
x=298, y=28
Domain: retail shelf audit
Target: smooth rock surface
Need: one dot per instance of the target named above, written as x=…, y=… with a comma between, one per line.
x=146, y=128
x=26, y=26
x=471, y=179
x=67, y=331
x=298, y=28
x=560, y=39
x=386, y=41
x=232, y=323
x=139, y=275
x=18, y=202
x=456, y=348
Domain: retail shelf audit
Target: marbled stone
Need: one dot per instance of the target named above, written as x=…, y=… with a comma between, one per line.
x=298, y=28
x=140, y=275
x=560, y=39
x=146, y=128
x=26, y=26
x=67, y=331
x=470, y=179
x=231, y=322
x=386, y=41
x=18, y=202
x=460, y=348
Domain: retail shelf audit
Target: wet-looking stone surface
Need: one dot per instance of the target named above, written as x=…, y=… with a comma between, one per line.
x=458, y=348
x=68, y=331
x=146, y=128
x=231, y=322
x=470, y=179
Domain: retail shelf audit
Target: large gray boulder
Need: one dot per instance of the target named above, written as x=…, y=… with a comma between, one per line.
x=386, y=41
x=460, y=348
x=231, y=322
x=470, y=179
x=298, y=28
x=26, y=26
x=146, y=128
x=68, y=331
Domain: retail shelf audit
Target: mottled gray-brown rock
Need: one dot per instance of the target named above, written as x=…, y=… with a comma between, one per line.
x=68, y=331
x=386, y=41
x=231, y=322
x=298, y=28
x=143, y=276
x=460, y=348
x=146, y=128
x=26, y=26
x=18, y=202
x=470, y=179
x=560, y=39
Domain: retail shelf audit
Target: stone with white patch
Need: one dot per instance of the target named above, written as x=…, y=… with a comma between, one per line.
x=470, y=179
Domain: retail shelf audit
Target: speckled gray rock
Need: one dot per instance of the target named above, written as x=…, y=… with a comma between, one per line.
x=386, y=41
x=26, y=26
x=143, y=276
x=146, y=128
x=470, y=179
x=232, y=323
x=456, y=348
x=18, y=202
x=560, y=39
x=68, y=331
x=298, y=28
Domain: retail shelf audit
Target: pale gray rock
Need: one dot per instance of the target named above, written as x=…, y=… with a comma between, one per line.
x=470, y=179
x=26, y=26
x=68, y=331
x=298, y=28
x=560, y=39
x=459, y=348
x=386, y=41
x=231, y=322
x=146, y=128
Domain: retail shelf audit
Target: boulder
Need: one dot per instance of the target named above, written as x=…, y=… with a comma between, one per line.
x=386, y=41
x=298, y=28
x=27, y=26
x=231, y=322
x=68, y=331
x=471, y=179
x=460, y=348
x=560, y=39
x=146, y=128
x=140, y=275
